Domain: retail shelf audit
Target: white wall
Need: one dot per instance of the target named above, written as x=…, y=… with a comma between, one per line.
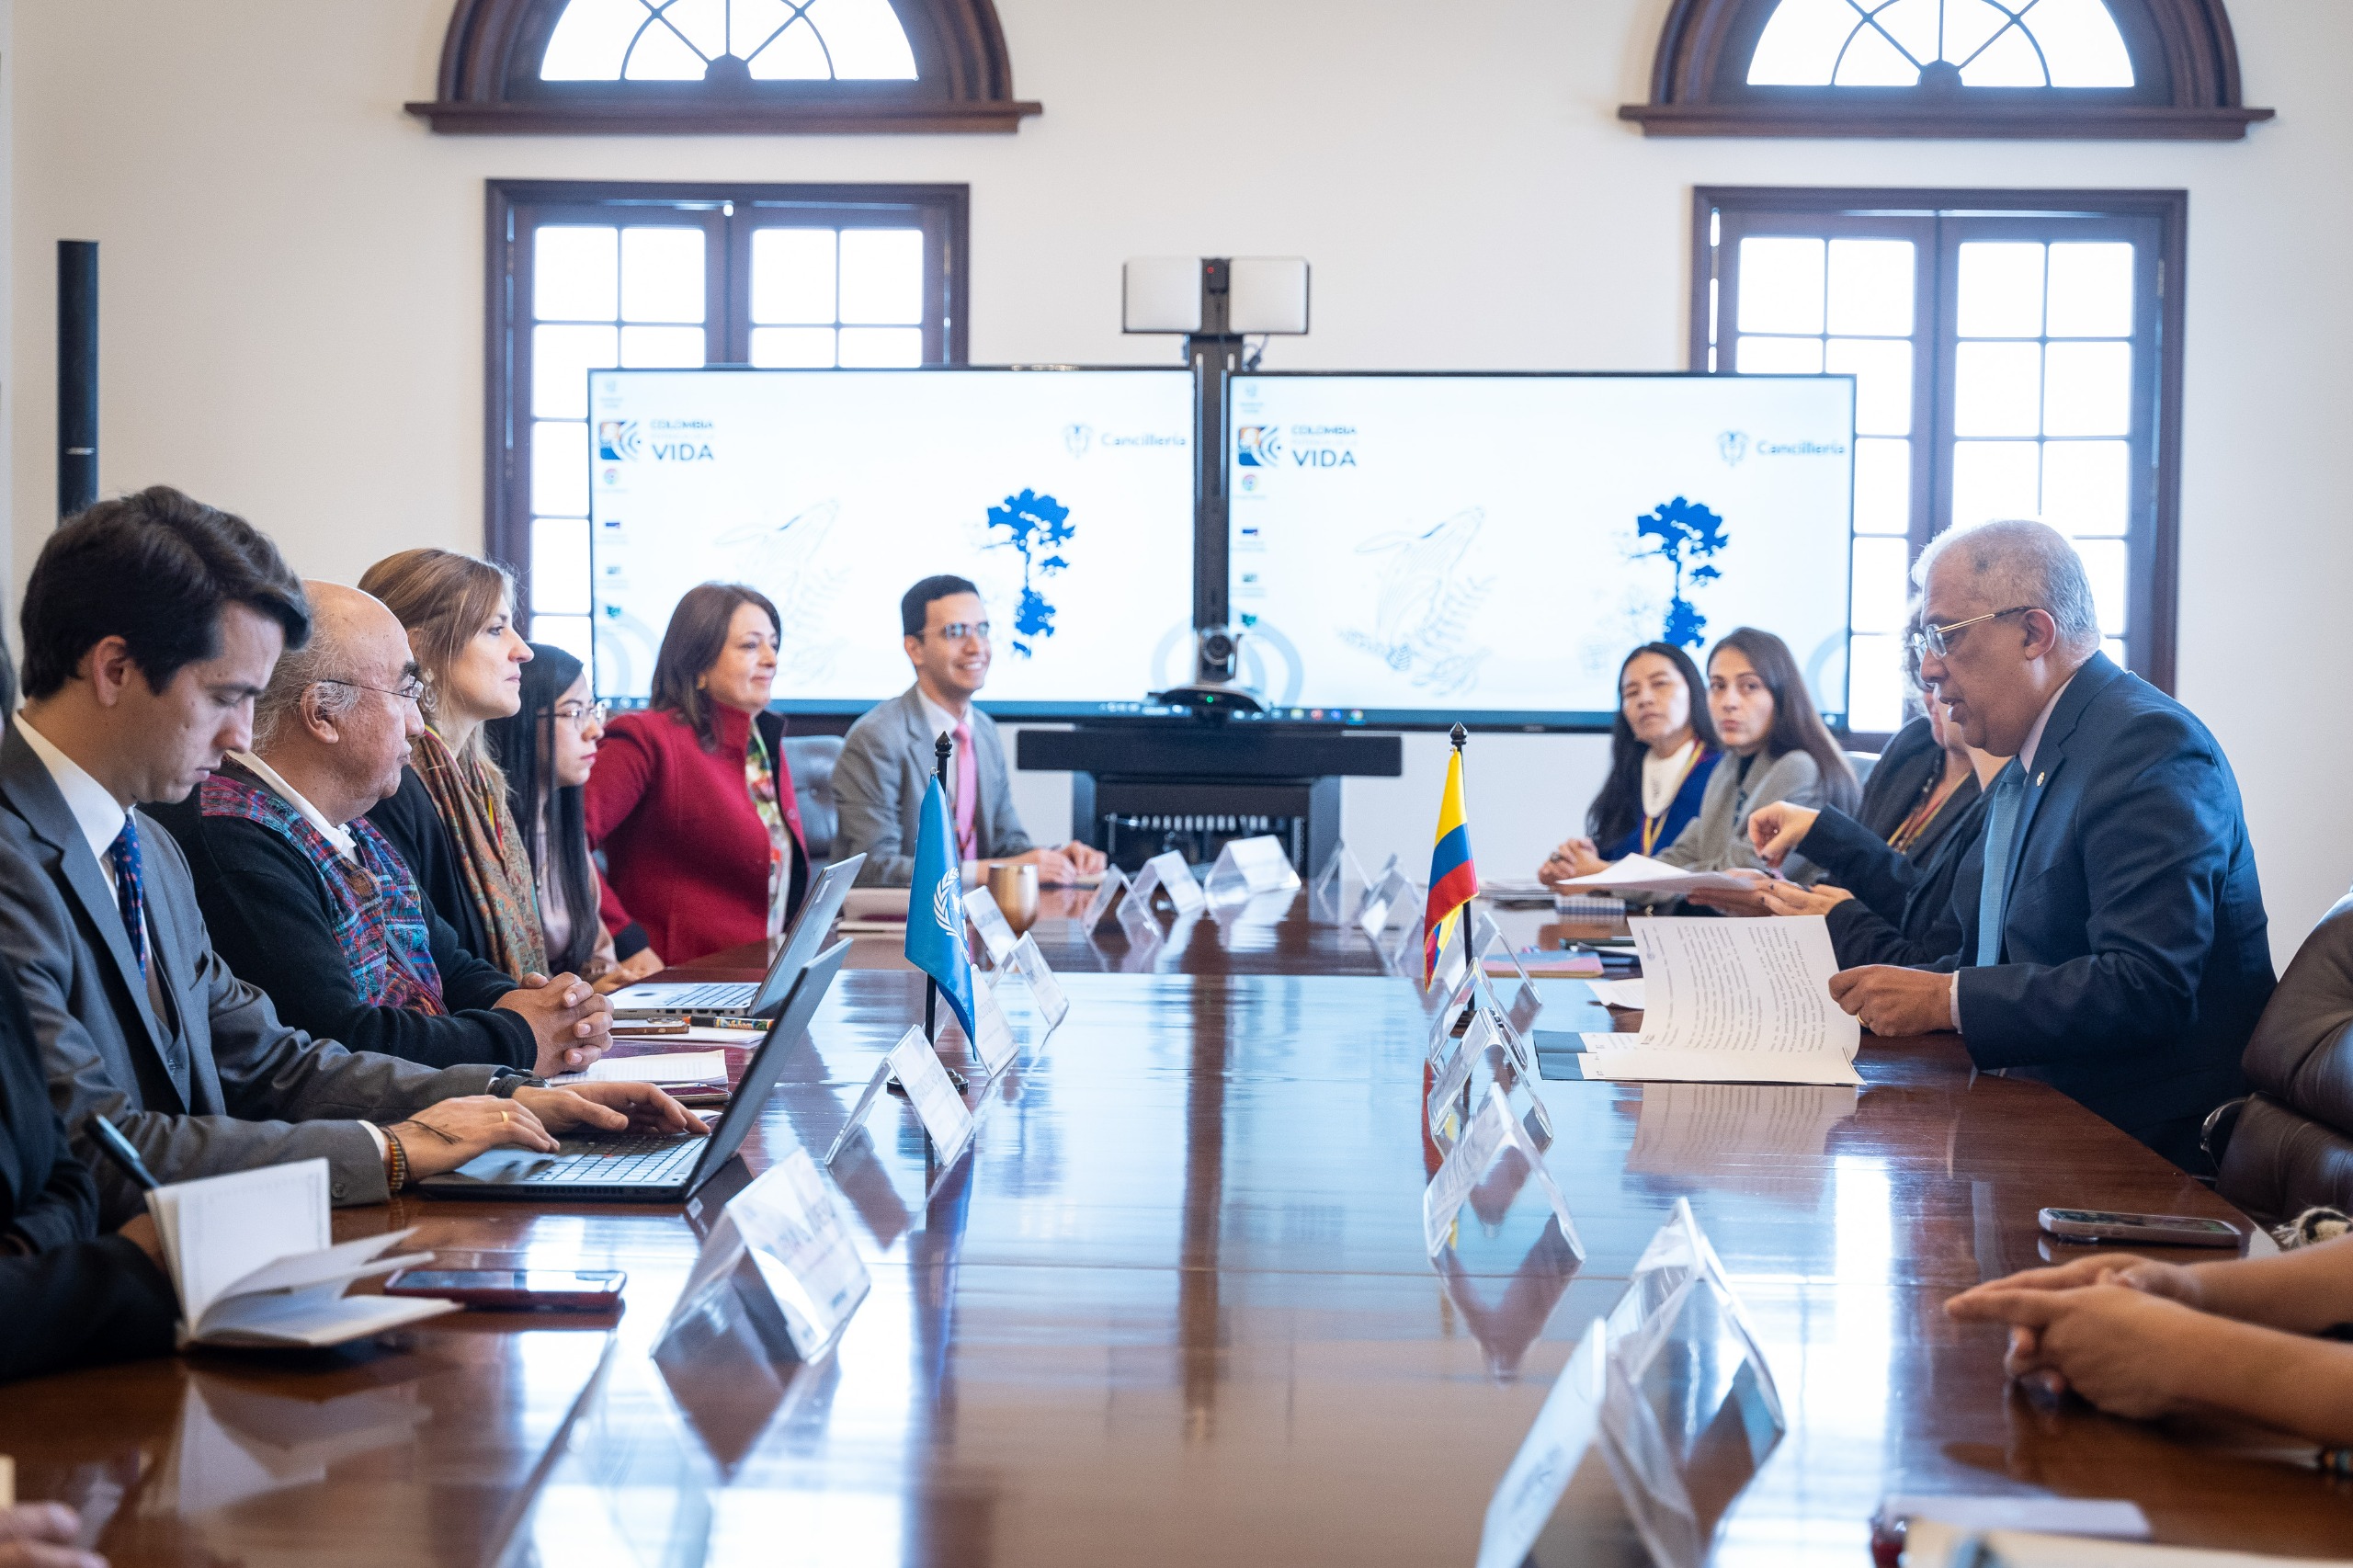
x=292, y=279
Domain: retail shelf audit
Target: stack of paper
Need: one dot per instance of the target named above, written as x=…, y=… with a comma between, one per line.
x=1640, y=873
x=675, y=1069
x=1733, y=1000
x=250, y=1257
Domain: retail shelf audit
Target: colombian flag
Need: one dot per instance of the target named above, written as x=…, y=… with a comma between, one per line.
x=1454, y=880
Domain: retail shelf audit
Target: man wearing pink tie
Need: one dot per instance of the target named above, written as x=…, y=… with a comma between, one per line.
x=889, y=752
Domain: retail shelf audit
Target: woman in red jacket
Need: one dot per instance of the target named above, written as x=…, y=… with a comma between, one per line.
x=691, y=800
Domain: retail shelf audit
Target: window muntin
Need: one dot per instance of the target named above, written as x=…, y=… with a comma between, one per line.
x=837, y=276
x=2033, y=359
x=692, y=40
x=1965, y=43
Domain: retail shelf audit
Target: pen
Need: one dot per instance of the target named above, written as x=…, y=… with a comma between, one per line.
x=126, y=1158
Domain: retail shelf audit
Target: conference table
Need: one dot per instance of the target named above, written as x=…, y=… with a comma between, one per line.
x=1174, y=1307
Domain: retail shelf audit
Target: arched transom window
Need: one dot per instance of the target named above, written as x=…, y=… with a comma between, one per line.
x=2121, y=69
x=759, y=40
x=698, y=67
x=1959, y=43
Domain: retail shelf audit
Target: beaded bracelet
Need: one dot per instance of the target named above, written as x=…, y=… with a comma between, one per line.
x=396, y=1159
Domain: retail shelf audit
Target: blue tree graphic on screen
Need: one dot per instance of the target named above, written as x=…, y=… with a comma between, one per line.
x=1038, y=525
x=1688, y=534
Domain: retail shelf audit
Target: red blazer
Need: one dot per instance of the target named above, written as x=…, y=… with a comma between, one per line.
x=686, y=855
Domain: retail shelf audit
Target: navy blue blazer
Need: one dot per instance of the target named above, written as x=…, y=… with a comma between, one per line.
x=1903, y=911
x=2134, y=956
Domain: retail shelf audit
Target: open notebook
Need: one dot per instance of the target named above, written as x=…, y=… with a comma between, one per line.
x=252, y=1257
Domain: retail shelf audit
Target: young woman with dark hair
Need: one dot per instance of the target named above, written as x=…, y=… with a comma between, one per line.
x=1776, y=748
x=1663, y=750
x=690, y=799
x=548, y=751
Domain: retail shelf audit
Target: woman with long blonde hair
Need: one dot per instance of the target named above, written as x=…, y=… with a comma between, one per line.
x=451, y=821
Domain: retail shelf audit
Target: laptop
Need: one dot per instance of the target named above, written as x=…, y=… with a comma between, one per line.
x=659, y=1167
x=739, y=999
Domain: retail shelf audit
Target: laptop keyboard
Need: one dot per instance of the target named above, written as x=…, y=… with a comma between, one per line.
x=624, y=1161
x=702, y=999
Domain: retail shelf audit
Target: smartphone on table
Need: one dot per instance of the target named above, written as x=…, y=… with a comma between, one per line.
x=2147, y=1230
x=516, y=1289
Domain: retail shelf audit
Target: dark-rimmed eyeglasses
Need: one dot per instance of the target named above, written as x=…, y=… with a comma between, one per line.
x=411, y=689
x=1936, y=640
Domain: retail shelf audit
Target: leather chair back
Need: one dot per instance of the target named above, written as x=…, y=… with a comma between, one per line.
x=2293, y=1146
x=811, y=760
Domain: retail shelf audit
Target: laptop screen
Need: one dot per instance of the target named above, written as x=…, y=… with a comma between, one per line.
x=751, y=1096
x=817, y=918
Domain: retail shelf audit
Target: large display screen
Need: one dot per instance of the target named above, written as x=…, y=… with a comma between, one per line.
x=1066, y=496
x=1422, y=548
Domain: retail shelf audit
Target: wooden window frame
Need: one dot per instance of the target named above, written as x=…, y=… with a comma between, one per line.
x=945, y=216
x=2183, y=53
x=488, y=85
x=2153, y=538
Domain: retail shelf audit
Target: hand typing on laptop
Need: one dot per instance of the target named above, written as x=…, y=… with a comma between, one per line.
x=573, y=1024
x=443, y=1136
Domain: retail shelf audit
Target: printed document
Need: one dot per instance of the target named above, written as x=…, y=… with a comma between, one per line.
x=1640, y=873
x=1733, y=1000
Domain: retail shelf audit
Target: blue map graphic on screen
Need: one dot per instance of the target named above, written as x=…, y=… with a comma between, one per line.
x=1038, y=525
x=1688, y=534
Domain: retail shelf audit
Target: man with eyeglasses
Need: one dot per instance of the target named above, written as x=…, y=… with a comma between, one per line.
x=152, y=623
x=307, y=899
x=2114, y=942
x=889, y=752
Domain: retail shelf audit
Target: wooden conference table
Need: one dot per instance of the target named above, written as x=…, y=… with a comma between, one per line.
x=1174, y=1309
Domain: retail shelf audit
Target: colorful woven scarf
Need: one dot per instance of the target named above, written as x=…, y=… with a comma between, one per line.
x=378, y=915
x=472, y=802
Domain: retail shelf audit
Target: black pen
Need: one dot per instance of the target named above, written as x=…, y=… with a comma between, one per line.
x=126, y=1158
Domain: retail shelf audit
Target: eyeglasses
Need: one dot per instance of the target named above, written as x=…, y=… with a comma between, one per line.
x=583, y=715
x=1937, y=640
x=964, y=630
x=410, y=689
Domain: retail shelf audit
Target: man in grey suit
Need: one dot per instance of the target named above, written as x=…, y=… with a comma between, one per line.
x=888, y=758
x=151, y=624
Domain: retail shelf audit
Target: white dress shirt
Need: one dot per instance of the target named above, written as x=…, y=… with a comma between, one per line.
x=339, y=836
x=96, y=811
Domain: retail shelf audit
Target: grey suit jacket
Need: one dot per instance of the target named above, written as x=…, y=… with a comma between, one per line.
x=1717, y=839
x=218, y=1085
x=879, y=783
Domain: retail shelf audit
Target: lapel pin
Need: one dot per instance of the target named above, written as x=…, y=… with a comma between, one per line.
x=2039, y=778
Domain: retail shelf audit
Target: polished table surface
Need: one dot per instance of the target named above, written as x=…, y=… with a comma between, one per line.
x=1175, y=1308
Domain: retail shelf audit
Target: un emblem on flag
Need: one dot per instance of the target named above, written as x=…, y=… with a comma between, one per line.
x=944, y=902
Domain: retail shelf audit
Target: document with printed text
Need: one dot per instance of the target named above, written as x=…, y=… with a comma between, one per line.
x=1733, y=1000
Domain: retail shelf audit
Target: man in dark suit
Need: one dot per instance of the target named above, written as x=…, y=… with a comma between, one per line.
x=887, y=758
x=308, y=900
x=2113, y=936
x=151, y=624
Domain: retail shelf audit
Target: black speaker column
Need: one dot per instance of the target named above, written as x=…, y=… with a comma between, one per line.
x=77, y=375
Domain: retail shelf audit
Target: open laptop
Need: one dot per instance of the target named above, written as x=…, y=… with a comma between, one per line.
x=661, y=1167
x=736, y=998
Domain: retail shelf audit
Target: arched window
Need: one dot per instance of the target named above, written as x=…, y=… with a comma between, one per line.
x=705, y=66
x=1954, y=68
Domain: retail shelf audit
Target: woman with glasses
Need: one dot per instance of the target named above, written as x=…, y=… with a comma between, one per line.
x=450, y=820
x=548, y=750
x=1776, y=748
x=691, y=800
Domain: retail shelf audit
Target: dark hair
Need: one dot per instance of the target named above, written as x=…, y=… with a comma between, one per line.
x=917, y=605
x=1796, y=725
x=156, y=569
x=524, y=745
x=691, y=644
x=1618, y=809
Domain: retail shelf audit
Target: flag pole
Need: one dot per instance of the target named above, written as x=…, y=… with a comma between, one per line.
x=1459, y=735
x=931, y=987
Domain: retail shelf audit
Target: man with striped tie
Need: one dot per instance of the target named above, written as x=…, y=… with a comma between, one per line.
x=151, y=624
x=2114, y=942
x=887, y=758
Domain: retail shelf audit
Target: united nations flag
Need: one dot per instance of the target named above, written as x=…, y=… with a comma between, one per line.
x=935, y=909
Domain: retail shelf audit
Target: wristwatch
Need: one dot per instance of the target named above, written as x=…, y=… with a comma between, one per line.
x=505, y=1084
